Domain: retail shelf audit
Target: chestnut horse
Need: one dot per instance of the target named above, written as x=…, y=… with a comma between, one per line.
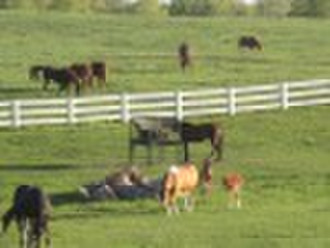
x=179, y=182
x=233, y=183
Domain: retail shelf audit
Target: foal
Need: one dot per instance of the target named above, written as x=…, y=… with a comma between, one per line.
x=30, y=210
x=233, y=183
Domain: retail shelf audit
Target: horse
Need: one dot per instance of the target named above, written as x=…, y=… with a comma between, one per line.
x=184, y=55
x=35, y=72
x=179, y=182
x=199, y=132
x=249, y=42
x=31, y=211
x=206, y=175
x=63, y=77
x=99, y=72
x=84, y=73
x=233, y=183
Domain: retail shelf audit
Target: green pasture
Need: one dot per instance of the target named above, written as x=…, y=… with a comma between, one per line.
x=283, y=155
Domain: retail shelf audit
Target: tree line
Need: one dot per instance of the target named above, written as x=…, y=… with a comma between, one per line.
x=277, y=8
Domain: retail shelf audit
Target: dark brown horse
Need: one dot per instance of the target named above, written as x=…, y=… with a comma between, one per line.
x=199, y=132
x=184, y=55
x=84, y=74
x=249, y=42
x=31, y=211
x=99, y=72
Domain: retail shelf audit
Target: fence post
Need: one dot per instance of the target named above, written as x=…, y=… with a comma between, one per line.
x=125, y=108
x=179, y=105
x=232, y=101
x=16, y=114
x=71, y=111
x=284, y=96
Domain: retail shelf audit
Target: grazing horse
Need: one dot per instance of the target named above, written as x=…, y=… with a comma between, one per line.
x=99, y=72
x=179, y=182
x=233, y=183
x=249, y=42
x=199, y=132
x=84, y=74
x=184, y=55
x=64, y=77
x=36, y=71
x=206, y=176
x=31, y=210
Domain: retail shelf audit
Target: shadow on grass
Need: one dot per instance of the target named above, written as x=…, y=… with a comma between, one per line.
x=37, y=167
x=91, y=208
x=59, y=199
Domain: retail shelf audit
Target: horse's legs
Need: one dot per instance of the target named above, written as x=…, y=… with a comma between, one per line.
x=186, y=151
x=23, y=228
x=188, y=203
x=47, y=233
x=46, y=83
x=77, y=88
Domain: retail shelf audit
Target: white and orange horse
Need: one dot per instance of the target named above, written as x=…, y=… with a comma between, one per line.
x=179, y=182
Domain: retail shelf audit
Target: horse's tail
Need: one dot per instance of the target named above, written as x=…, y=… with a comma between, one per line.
x=217, y=141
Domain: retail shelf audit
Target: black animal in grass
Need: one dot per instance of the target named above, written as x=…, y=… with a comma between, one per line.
x=64, y=77
x=184, y=55
x=31, y=211
x=250, y=42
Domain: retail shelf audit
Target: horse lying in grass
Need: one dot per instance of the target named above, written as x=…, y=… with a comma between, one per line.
x=31, y=211
x=179, y=182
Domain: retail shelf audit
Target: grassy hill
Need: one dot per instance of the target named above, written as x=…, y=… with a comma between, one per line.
x=284, y=156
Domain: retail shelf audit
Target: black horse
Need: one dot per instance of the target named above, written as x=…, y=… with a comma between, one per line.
x=31, y=211
x=184, y=55
x=65, y=78
x=249, y=42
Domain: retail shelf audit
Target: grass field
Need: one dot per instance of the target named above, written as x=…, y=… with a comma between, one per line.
x=284, y=156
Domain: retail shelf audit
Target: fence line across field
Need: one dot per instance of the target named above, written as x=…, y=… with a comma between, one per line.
x=179, y=104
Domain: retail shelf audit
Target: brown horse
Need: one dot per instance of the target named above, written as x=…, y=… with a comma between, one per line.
x=199, y=132
x=206, y=175
x=99, y=72
x=184, y=55
x=30, y=210
x=179, y=182
x=84, y=73
x=233, y=183
x=249, y=42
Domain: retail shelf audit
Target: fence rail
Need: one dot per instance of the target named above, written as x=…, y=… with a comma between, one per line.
x=180, y=104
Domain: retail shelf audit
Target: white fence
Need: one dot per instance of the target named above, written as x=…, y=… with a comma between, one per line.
x=180, y=104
